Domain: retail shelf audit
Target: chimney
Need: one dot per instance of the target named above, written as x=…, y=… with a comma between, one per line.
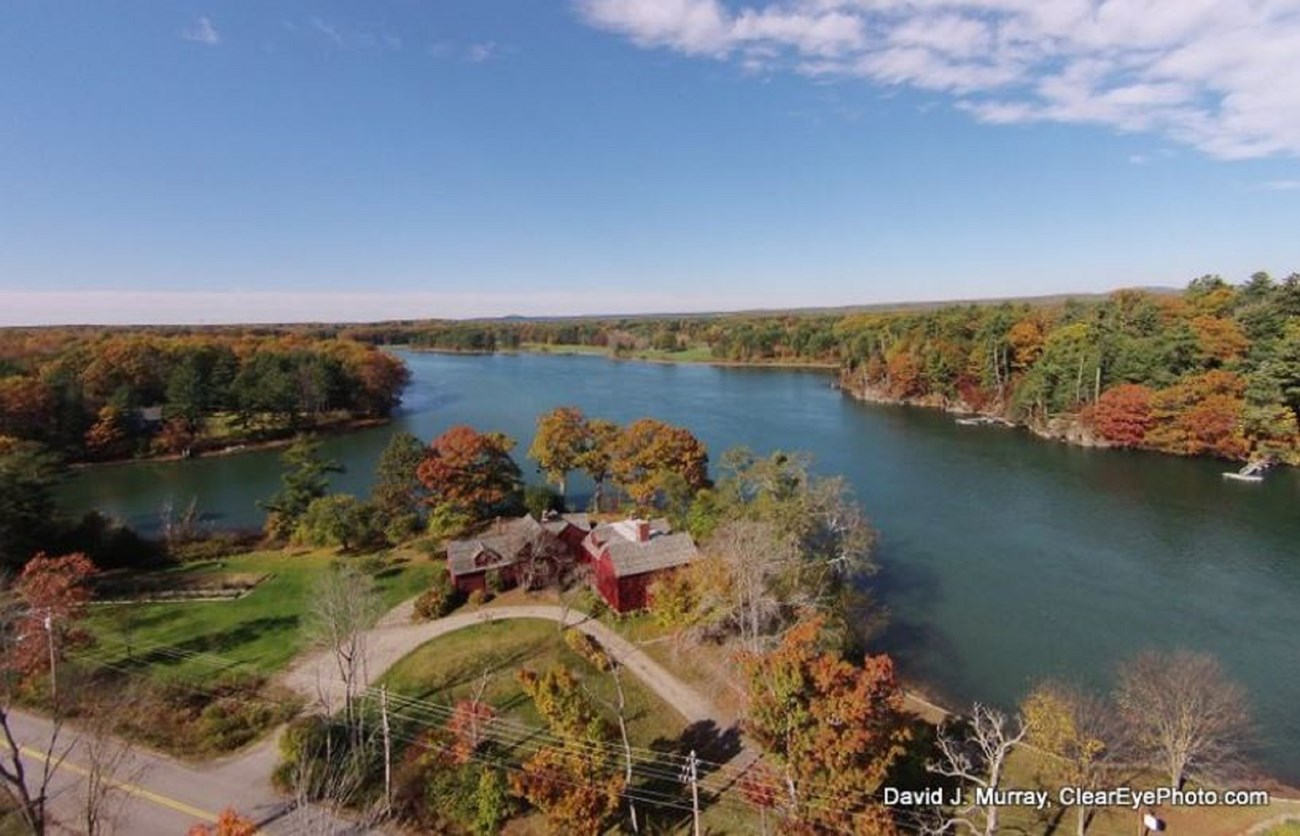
x=643, y=531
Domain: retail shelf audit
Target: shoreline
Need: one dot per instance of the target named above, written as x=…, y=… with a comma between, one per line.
x=237, y=448
x=579, y=351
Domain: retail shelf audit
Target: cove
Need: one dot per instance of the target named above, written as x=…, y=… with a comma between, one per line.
x=1006, y=559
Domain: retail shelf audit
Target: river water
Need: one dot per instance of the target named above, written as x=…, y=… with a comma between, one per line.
x=1006, y=559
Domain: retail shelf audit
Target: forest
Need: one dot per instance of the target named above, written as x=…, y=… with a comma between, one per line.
x=1213, y=370
x=102, y=394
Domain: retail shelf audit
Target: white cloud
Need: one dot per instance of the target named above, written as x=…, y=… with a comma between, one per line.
x=350, y=38
x=1219, y=75
x=202, y=32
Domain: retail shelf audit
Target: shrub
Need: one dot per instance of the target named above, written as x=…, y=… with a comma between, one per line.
x=438, y=600
x=539, y=500
x=479, y=597
x=588, y=648
x=446, y=521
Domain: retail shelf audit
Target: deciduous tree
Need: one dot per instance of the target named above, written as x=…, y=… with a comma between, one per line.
x=1080, y=729
x=1122, y=415
x=563, y=438
x=831, y=728
x=648, y=450
x=576, y=785
x=472, y=472
x=975, y=752
x=1183, y=713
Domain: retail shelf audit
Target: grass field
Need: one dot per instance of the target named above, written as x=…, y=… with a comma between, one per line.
x=258, y=633
x=451, y=668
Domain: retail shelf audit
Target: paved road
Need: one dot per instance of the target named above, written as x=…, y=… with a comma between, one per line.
x=164, y=796
x=157, y=794
x=316, y=678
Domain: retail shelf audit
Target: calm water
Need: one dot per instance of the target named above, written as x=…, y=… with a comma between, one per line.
x=1006, y=559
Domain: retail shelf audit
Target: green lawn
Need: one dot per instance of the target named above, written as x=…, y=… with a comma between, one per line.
x=258, y=633
x=449, y=668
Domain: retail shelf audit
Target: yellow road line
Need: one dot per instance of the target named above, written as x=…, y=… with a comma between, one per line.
x=131, y=789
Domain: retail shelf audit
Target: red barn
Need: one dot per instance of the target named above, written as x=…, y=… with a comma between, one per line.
x=517, y=551
x=628, y=556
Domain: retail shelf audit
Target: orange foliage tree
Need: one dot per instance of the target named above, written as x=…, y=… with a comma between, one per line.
x=832, y=729
x=471, y=471
x=1219, y=340
x=574, y=783
x=563, y=439
x=649, y=450
x=229, y=823
x=904, y=372
x=1200, y=415
x=1122, y=415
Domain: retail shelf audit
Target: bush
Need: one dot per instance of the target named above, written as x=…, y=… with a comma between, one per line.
x=446, y=520
x=479, y=597
x=588, y=648
x=438, y=600
x=339, y=520
x=214, y=547
x=539, y=500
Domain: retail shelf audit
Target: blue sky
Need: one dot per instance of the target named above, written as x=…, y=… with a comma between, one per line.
x=254, y=161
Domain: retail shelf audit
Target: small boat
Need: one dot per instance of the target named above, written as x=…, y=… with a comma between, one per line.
x=984, y=421
x=1253, y=472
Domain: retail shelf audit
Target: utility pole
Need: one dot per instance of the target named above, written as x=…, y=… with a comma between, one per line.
x=388, y=748
x=691, y=775
x=54, y=679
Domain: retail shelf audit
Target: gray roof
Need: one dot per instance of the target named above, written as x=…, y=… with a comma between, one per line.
x=662, y=551
x=580, y=520
x=499, y=546
x=614, y=532
x=558, y=524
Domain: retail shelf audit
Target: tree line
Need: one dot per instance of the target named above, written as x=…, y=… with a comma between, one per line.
x=111, y=394
x=1213, y=370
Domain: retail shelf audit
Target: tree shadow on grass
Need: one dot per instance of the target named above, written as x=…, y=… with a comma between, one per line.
x=217, y=644
x=713, y=748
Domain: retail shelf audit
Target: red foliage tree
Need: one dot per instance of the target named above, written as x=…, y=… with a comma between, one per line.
x=468, y=728
x=54, y=592
x=471, y=471
x=1122, y=415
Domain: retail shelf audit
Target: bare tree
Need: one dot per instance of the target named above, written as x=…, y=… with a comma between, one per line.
x=30, y=788
x=331, y=775
x=976, y=756
x=109, y=763
x=1183, y=713
x=344, y=606
x=619, y=707
x=757, y=555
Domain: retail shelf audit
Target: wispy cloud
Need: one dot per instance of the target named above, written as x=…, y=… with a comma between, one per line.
x=202, y=32
x=1219, y=76
x=353, y=38
x=1280, y=186
x=478, y=53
